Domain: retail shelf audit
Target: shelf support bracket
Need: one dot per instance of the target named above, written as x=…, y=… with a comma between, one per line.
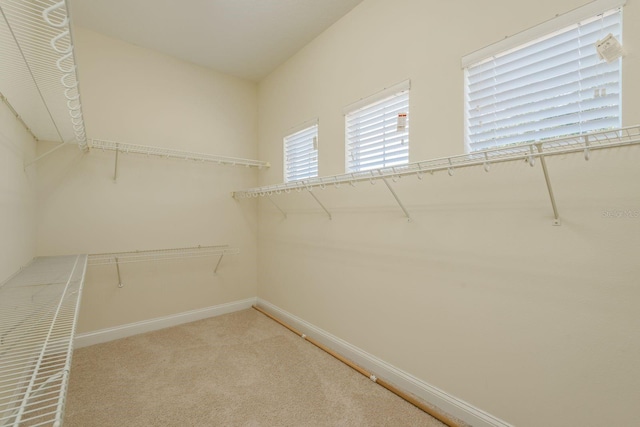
x=543, y=162
x=115, y=169
x=320, y=203
x=45, y=154
x=406, y=213
x=118, y=270
x=277, y=207
x=215, y=270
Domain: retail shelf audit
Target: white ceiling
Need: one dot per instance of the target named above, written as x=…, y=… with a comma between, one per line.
x=245, y=38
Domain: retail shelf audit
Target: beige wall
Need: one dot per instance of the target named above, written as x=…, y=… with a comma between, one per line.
x=17, y=195
x=135, y=95
x=479, y=295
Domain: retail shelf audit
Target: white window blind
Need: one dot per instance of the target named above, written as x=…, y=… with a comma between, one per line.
x=377, y=135
x=551, y=87
x=301, y=154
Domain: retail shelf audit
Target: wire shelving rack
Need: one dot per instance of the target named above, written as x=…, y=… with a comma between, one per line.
x=531, y=152
x=40, y=78
x=156, y=255
x=38, y=312
x=170, y=153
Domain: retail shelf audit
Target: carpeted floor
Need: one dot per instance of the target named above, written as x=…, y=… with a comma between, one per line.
x=240, y=369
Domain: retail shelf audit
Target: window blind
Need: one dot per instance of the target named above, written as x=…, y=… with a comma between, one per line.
x=301, y=154
x=377, y=134
x=554, y=86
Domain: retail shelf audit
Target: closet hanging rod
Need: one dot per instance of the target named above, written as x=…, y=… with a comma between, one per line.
x=529, y=152
x=171, y=153
x=161, y=254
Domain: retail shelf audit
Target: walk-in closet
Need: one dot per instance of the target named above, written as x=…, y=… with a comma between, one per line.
x=319, y=213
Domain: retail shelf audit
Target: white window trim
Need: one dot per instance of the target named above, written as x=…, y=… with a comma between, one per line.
x=384, y=93
x=364, y=102
x=302, y=126
x=555, y=24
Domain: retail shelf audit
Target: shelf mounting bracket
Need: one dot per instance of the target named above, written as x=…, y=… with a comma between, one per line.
x=320, y=203
x=118, y=270
x=543, y=163
x=115, y=169
x=277, y=207
x=406, y=213
x=46, y=154
x=215, y=270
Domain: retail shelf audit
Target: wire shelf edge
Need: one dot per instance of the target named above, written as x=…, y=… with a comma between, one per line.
x=39, y=53
x=40, y=306
x=160, y=254
x=530, y=151
x=126, y=148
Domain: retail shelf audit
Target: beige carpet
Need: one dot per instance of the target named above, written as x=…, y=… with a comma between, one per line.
x=240, y=369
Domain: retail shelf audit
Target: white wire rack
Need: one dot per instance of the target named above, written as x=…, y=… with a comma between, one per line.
x=15, y=113
x=38, y=74
x=38, y=312
x=170, y=153
x=119, y=258
x=529, y=152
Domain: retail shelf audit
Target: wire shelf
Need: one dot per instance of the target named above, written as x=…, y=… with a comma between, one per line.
x=170, y=153
x=160, y=254
x=118, y=258
x=529, y=152
x=39, y=77
x=38, y=313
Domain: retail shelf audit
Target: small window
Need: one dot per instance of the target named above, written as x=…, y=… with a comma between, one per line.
x=377, y=130
x=553, y=86
x=301, y=153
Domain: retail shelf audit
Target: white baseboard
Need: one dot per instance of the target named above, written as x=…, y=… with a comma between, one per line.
x=123, y=331
x=381, y=369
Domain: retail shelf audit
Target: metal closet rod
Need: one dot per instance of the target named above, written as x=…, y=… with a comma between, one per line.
x=529, y=152
x=170, y=153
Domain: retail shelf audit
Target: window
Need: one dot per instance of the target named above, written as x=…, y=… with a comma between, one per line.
x=553, y=86
x=301, y=153
x=377, y=130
